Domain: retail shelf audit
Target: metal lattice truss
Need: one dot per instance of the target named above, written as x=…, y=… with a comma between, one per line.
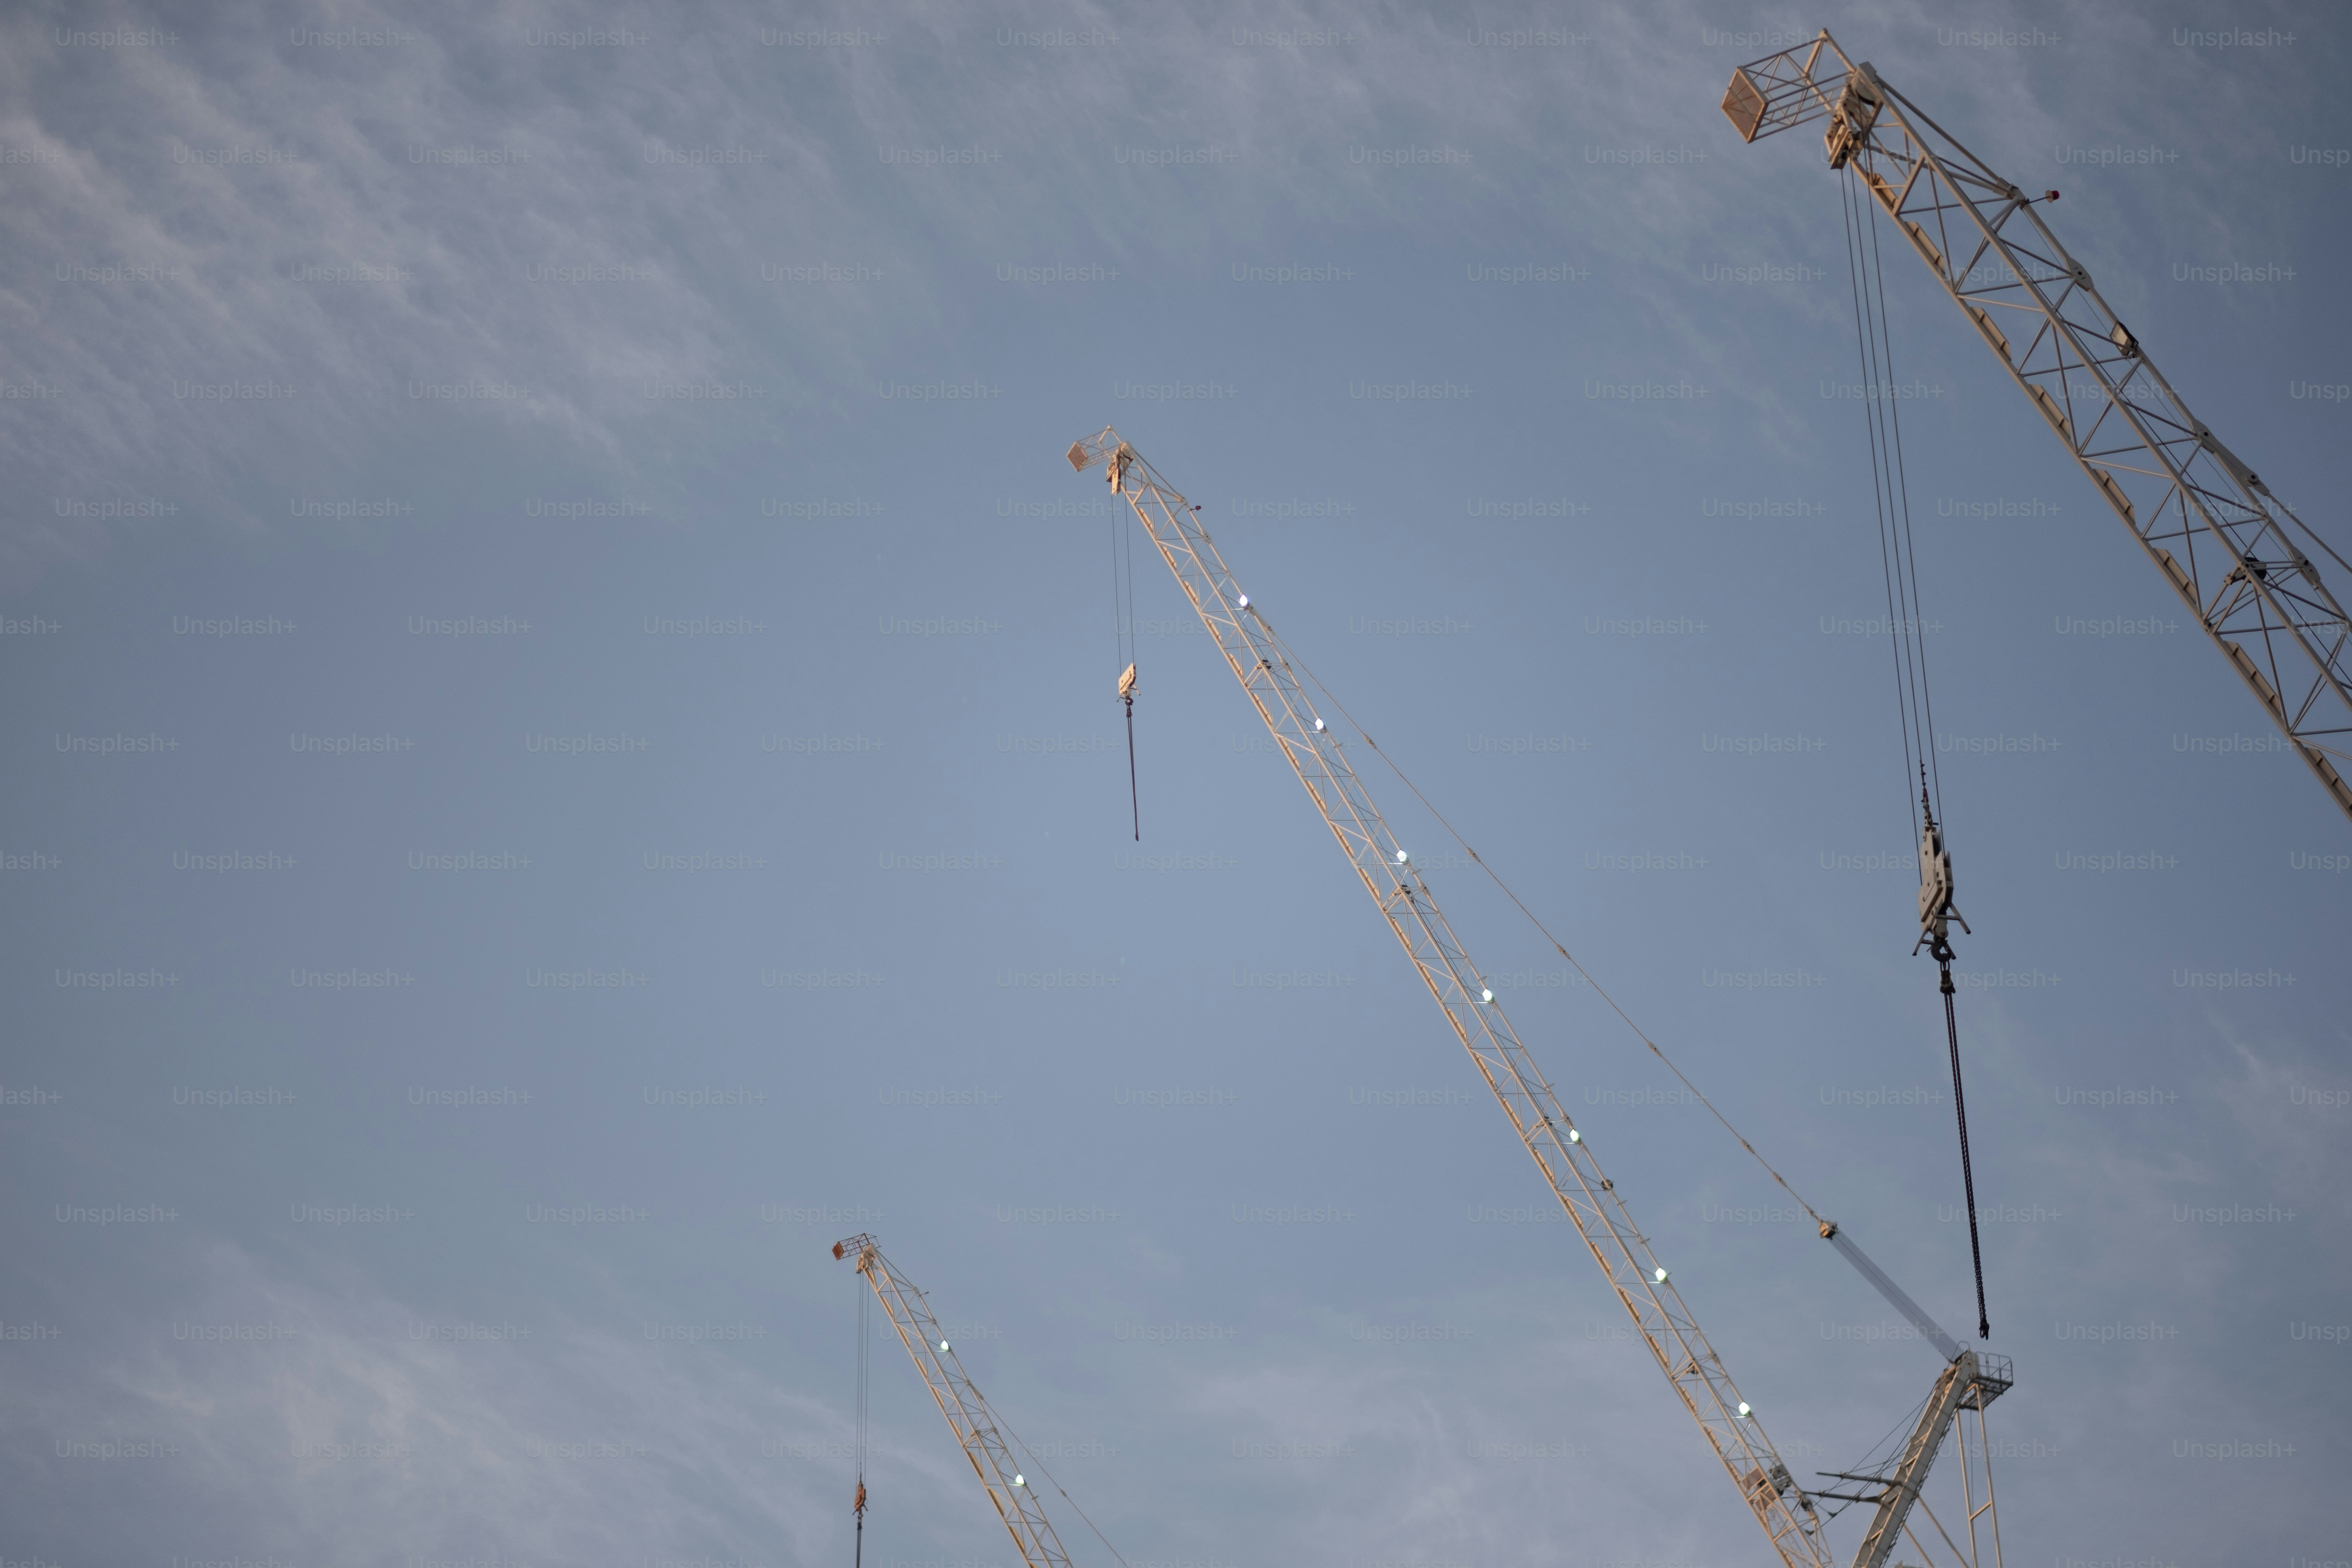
x=1971, y=1382
x=2224, y=543
x=1260, y=662
x=967, y=1414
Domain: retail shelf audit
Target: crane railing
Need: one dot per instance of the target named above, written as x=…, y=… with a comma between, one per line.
x=1643, y=1285
x=2223, y=541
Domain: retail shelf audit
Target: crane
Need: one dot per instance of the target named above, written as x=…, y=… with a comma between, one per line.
x=2203, y=517
x=1644, y=1285
x=975, y=1426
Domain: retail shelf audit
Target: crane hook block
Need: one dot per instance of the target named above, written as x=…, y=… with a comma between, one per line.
x=1934, y=875
x=1851, y=121
x=1936, y=910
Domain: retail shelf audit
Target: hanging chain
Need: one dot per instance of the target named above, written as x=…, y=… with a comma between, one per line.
x=1968, y=1176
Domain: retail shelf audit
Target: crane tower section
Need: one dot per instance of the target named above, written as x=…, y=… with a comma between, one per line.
x=2223, y=541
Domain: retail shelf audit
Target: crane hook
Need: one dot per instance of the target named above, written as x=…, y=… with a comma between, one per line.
x=1134, y=800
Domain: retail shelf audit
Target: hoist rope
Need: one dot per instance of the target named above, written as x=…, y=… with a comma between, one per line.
x=1122, y=588
x=1908, y=559
x=1890, y=498
x=1899, y=567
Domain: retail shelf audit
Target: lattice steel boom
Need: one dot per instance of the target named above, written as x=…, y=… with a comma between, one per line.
x=974, y=1424
x=1262, y=665
x=2224, y=543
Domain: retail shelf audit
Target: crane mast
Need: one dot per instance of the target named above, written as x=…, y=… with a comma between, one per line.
x=1969, y=1383
x=976, y=1428
x=1644, y=1286
x=2205, y=519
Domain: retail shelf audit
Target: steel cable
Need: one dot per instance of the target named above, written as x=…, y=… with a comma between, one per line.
x=1338, y=707
x=1899, y=552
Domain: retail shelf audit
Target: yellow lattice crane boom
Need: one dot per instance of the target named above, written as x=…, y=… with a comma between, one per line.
x=1272, y=679
x=2225, y=545
x=977, y=1430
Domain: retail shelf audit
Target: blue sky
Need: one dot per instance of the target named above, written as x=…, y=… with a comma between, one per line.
x=563, y=757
